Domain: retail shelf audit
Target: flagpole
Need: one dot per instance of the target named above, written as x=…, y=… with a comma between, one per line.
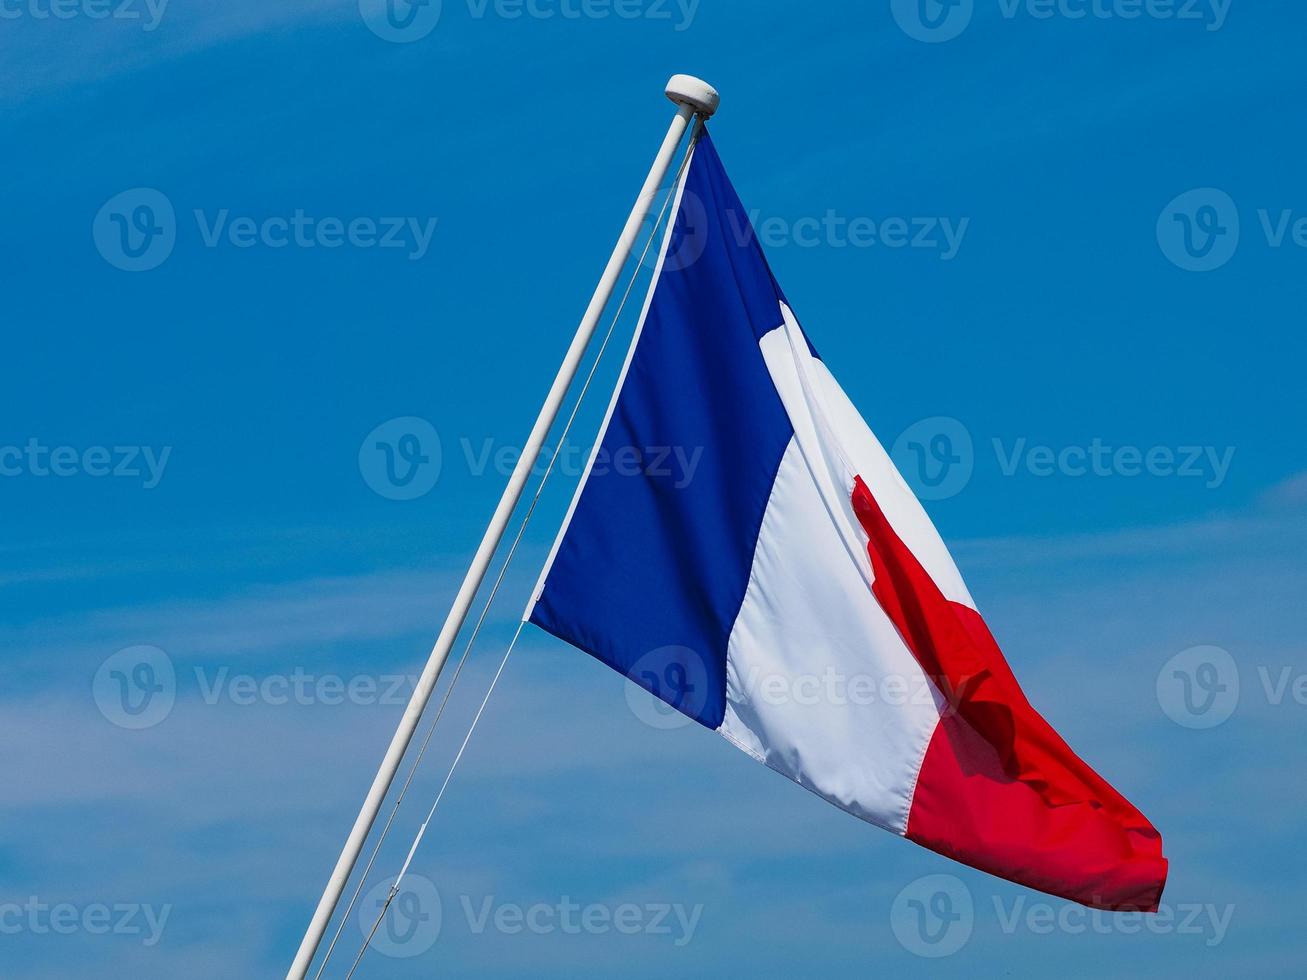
x=692, y=96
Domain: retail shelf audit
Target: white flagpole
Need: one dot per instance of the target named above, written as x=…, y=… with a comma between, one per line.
x=692, y=95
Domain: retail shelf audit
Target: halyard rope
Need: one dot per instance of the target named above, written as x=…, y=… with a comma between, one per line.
x=485, y=609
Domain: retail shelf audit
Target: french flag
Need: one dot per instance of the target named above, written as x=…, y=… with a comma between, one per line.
x=793, y=596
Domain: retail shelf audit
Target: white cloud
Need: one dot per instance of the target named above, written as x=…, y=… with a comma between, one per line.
x=90, y=50
x=234, y=812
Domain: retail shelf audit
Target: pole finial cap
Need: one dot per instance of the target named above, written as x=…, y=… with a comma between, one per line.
x=694, y=92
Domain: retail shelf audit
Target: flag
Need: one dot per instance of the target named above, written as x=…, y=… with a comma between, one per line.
x=789, y=592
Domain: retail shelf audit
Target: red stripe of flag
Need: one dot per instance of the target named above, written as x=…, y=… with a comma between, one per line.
x=999, y=789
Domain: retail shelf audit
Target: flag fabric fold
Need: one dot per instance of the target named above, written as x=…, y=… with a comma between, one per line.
x=789, y=592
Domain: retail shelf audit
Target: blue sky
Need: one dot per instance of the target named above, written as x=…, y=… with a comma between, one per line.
x=1053, y=313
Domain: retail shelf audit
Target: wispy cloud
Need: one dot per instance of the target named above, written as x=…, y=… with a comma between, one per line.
x=232, y=812
x=141, y=34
